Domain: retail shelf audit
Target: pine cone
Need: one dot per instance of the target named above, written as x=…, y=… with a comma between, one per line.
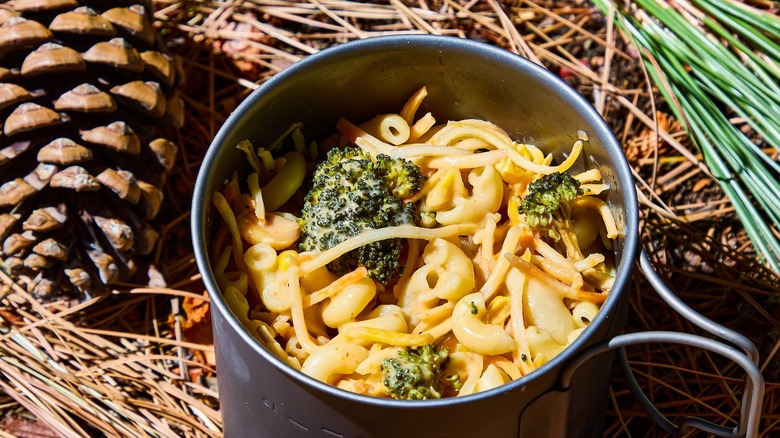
x=86, y=91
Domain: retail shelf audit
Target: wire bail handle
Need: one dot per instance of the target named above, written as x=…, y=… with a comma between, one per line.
x=745, y=355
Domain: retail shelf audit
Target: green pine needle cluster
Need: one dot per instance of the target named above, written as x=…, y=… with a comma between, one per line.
x=712, y=60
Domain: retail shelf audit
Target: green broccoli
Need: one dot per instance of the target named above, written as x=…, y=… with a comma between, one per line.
x=547, y=206
x=417, y=373
x=402, y=177
x=351, y=192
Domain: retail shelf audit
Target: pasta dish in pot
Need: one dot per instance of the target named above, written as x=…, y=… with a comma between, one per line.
x=409, y=258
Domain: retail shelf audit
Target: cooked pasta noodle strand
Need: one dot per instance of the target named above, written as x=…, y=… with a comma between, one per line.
x=421, y=127
x=486, y=240
x=591, y=297
x=467, y=161
x=222, y=261
x=454, y=131
x=335, y=287
x=588, y=262
x=471, y=144
x=588, y=176
x=413, y=151
x=257, y=196
x=395, y=339
x=438, y=313
x=498, y=274
x=464, y=129
x=522, y=354
x=436, y=331
x=368, y=236
x=565, y=272
x=506, y=366
x=552, y=284
x=548, y=251
x=230, y=219
x=413, y=104
x=594, y=189
x=362, y=139
x=291, y=283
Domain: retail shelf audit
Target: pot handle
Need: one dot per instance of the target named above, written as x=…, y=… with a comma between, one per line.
x=746, y=356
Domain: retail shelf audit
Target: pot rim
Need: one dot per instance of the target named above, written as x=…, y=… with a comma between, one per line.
x=597, y=129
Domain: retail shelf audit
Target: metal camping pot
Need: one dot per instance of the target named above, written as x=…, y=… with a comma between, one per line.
x=262, y=396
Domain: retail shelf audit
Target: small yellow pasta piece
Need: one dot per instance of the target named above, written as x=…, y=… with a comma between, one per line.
x=349, y=302
x=474, y=333
x=491, y=378
x=603, y=209
x=422, y=127
x=468, y=365
x=585, y=223
x=224, y=209
x=498, y=310
x=333, y=360
x=544, y=308
x=317, y=280
x=390, y=128
x=274, y=230
x=453, y=274
x=373, y=364
x=447, y=274
x=487, y=192
x=543, y=347
x=385, y=317
x=290, y=177
x=263, y=266
x=236, y=279
x=413, y=104
x=583, y=313
x=396, y=339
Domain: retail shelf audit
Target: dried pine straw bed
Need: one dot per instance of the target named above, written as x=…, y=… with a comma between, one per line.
x=140, y=362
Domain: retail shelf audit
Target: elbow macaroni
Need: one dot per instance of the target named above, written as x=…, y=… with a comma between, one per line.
x=453, y=203
x=502, y=298
x=447, y=274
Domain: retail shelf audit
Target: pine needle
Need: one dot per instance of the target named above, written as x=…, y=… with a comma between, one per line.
x=703, y=57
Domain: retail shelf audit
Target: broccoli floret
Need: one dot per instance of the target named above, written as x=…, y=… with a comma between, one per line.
x=427, y=218
x=402, y=177
x=547, y=206
x=351, y=192
x=417, y=373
